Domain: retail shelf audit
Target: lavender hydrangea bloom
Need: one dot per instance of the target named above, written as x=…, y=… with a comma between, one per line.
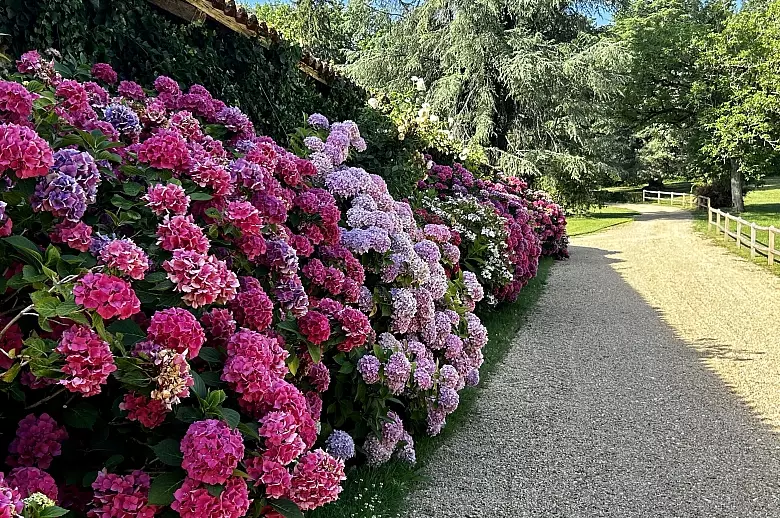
x=448, y=376
x=322, y=163
x=340, y=445
x=362, y=241
x=377, y=453
x=450, y=252
x=472, y=378
x=404, y=309
x=360, y=144
x=245, y=146
x=281, y=257
x=81, y=167
x=366, y=300
x=473, y=287
x=368, y=367
x=314, y=143
x=235, y=120
x=250, y=175
x=448, y=399
x=397, y=372
x=428, y=251
x=292, y=296
x=406, y=452
x=392, y=429
x=123, y=119
x=61, y=195
x=318, y=120
x=347, y=182
x=478, y=335
x=436, y=420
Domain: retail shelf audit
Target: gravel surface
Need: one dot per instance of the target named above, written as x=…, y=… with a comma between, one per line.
x=602, y=409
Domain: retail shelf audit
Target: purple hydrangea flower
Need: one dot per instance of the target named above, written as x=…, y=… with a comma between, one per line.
x=472, y=378
x=99, y=241
x=61, y=195
x=404, y=309
x=377, y=453
x=318, y=120
x=448, y=399
x=281, y=257
x=314, y=143
x=406, y=452
x=368, y=367
x=340, y=445
x=123, y=119
x=292, y=296
x=81, y=167
x=397, y=372
x=448, y=375
x=362, y=241
x=473, y=287
x=428, y=251
x=235, y=120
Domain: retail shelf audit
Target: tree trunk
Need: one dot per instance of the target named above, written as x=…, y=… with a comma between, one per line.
x=736, y=188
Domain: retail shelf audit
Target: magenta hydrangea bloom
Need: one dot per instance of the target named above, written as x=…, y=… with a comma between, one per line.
x=131, y=90
x=118, y=496
x=177, y=329
x=181, y=233
x=319, y=376
x=211, y=451
x=165, y=150
x=202, y=279
x=76, y=235
x=11, y=504
x=252, y=307
x=125, y=256
x=88, y=360
x=104, y=72
x=109, y=296
x=15, y=102
x=149, y=412
x=167, y=198
x=219, y=325
x=24, y=152
x=38, y=440
x=316, y=480
x=33, y=480
x=193, y=500
x=315, y=327
x=274, y=477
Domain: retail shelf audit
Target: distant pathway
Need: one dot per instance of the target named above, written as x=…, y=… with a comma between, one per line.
x=603, y=409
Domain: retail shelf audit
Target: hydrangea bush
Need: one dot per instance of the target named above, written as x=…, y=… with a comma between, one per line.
x=173, y=284
x=533, y=224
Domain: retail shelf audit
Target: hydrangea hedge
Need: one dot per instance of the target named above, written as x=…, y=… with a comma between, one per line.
x=198, y=322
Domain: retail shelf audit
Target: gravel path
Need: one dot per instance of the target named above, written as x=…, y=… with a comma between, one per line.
x=603, y=409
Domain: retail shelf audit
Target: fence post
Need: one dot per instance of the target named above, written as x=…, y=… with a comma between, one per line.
x=718, y=227
x=726, y=227
x=770, y=254
x=752, y=240
x=739, y=233
x=644, y=195
x=671, y=199
x=709, y=220
x=659, y=196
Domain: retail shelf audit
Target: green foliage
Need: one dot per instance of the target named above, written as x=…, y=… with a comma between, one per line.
x=141, y=41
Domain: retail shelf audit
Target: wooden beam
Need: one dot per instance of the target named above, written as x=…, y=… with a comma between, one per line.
x=309, y=71
x=228, y=21
x=181, y=9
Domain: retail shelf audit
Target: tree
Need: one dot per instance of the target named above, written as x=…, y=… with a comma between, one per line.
x=744, y=128
x=529, y=81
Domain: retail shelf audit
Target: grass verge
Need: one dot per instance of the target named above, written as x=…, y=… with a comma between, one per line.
x=380, y=492
x=598, y=219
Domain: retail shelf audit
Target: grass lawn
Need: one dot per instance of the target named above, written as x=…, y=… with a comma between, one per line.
x=380, y=492
x=598, y=219
x=762, y=206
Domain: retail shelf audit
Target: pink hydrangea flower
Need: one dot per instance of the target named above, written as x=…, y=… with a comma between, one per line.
x=203, y=279
x=192, y=500
x=177, y=329
x=165, y=150
x=356, y=326
x=76, y=235
x=211, y=451
x=316, y=480
x=15, y=102
x=74, y=98
x=149, y=412
x=315, y=327
x=33, y=480
x=104, y=72
x=109, y=296
x=167, y=198
x=118, y=496
x=274, y=477
x=131, y=90
x=254, y=363
x=219, y=326
x=181, y=232
x=11, y=504
x=319, y=376
x=244, y=216
x=24, y=152
x=38, y=440
x=252, y=307
x=125, y=256
x=88, y=360
x=283, y=443
x=213, y=175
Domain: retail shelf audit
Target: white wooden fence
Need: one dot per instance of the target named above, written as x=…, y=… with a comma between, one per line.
x=743, y=232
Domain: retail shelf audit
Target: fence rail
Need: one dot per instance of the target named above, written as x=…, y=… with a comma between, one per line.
x=744, y=232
